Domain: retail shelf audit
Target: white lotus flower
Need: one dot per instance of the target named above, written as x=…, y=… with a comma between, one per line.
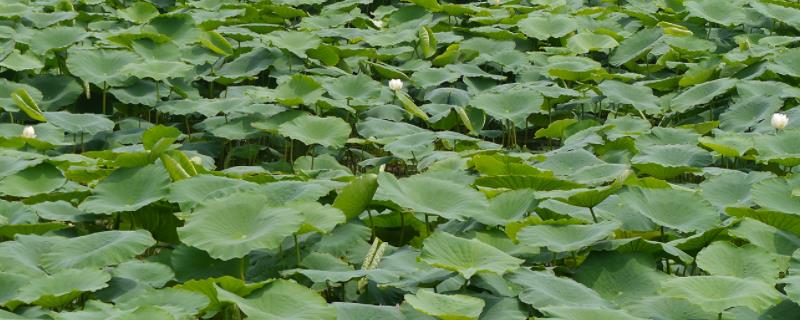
x=196, y=160
x=29, y=132
x=395, y=84
x=377, y=23
x=779, y=121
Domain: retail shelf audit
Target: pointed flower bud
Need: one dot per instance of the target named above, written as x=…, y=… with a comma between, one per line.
x=395, y=84
x=29, y=132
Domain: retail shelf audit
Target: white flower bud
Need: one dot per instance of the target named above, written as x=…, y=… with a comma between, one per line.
x=395, y=84
x=779, y=121
x=196, y=160
x=29, y=132
x=378, y=23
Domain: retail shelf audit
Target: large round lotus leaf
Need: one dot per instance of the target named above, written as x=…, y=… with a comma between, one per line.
x=732, y=188
x=156, y=70
x=56, y=38
x=622, y=278
x=62, y=287
x=701, y=94
x=446, y=306
x=281, y=300
x=750, y=113
x=326, y=131
x=778, y=194
x=728, y=144
x=718, y=293
x=180, y=27
x=725, y=13
x=299, y=89
x=138, y=92
x=195, y=190
x=21, y=61
x=514, y=106
x=583, y=313
x=563, y=238
x=433, y=77
x=787, y=63
x=58, y=90
x=766, y=236
x=722, y=258
x=357, y=311
x=191, y=263
x=152, y=274
x=572, y=68
x=414, y=146
x=139, y=12
x=181, y=303
x=585, y=42
x=232, y=226
x=354, y=198
x=508, y=207
x=780, y=148
x=429, y=195
x=281, y=192
x=97, y=250
x=60, y=211
x=88, y=123
x=543, y=289
x=42, y=178
x=100, y=66
x=465, y=256
x=668, y=161
x=640, y=97
x=294, y=41
x=317, y=217
x=668, y=308
x=667, y=136
x=249, y=64
x=686, y=211
x=128, y=189
x=8, y=87
x=547, y=26
x=358, y=87
x=635, y=46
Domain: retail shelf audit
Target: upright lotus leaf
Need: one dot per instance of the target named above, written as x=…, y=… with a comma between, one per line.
x=622, y=278
x=465, y=256
x=86, y=123
x=635, y=46
x=564, y=238
x=100, y=66
x=543, y=289
x=585, y=42
x=296, y=42
x=727, y=13
x=547, y=26
x=232, y=226
x=668, y=308
x=358, y=311
x=139, y=12
x=127, y=189
x=62, y=287
x=354, y=198
x=640, y=97
x=281, y=300
x=669, y=161
x=446, y=306
x=573, y=68
x=299, y=89
x=731, y=189
x=58, y=90
x=56, y=38
x=765, y=234
x=686, y=211
x=249, y=64
x=721, y=258
x=21, y=61
x=514, y=106
x=215, y=42
x=718, y=293
x=39, y=179
x=432, y=77
x=309, y=129
x=191, y=192
x=97, y=250
x=429, y=195
x=780, y=148
x=701, y=94
x=27, y=104
x=413, y=147
x=356, y=87
x=778, y=194
x=786, y=63
x=580, y=313
x=317, y=217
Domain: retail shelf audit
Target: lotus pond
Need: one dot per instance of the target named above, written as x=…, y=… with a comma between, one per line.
x=383, y=159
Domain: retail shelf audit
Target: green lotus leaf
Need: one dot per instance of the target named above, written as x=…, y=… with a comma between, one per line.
x=193, y=191
x=718, y=293
x=62, y=287
x=750, y=113
x=42, y=178
x=727, y=14
x=7, y=88
x=686, y=211
x=542, y=289
x=22, y=61
x=668, y=308
x=731, y=189
x=100, y=66
x=414, y=146
x=579, y=313
x=547, y=26
x=152, y=274
x=357, y=311
x=765, y=235
x=139, y=12
x=573, y=68
x=281, y=300
x=355, y=87
x=326, y=131
x=294, y=41
x=87, y=123
x=97, y=250
x=299, y=89
x=249, y=64
x=429, y=195
x=56, y=38
x=701, y=94
x=635, y=46
x=585, y=42
x=514, y=106
x=157, y=70
x=58, y=90
x=232, y=226
x=563, y=238
x=779, y=148
x=354, y=198
x=668, y=161
x=640, y=97
x=777, y=194
x=721, y=258
x=180, y=303
x=465, y=256
x=446, y=306
x=432, y=77
x=622, y=278
x=127, y=189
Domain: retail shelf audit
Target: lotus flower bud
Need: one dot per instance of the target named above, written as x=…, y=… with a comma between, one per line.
x=196, y=160
x=29, y=132
x=395, y=84
x=378, y=23
x=779, y=121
